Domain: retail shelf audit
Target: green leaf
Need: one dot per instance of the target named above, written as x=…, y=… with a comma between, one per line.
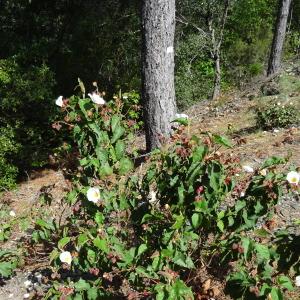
x=272, y=161
x=115, y=120
x=99, y=218
x=105, y=170
x=285, y=282
x=63, y=242
x=220, y=225
x=142, y=248
x=221, y=140
x=101, y=244
x=179, y=221
x=92, y=294
x=82, y=239
x=120, y=149
x=196, y=220
x=119, y=131
x=102, y=154
x=263, y=252
x=126, y=165
x=246, y=244
x=276, y=294
x=82, y=285
x=181, y=121
x=6, y=268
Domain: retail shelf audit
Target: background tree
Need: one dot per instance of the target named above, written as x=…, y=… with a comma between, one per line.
x=208, y=19
x=158, y=91
x=279, y=37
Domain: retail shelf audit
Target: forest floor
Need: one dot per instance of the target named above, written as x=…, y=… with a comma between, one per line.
x=233, y=114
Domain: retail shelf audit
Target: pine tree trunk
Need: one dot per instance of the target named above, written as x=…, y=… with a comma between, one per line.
x=279, y=36
x=217, y=81
x=158, y=91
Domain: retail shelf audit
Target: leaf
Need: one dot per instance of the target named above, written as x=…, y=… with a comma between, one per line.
x=120, y=149
x=102, y=155
x=126, y=165
x=246, y=244
x=196, y=220
x=119, y=131
x=285, y=282
x=82, y=285
x=263, y=252
x=105, y=170
x=44, y=224
x=63, y=242
x=82, y=239
x=92, y=294
x=221, y=140
x=179, y=221
x=142, y=248
x=115, y=120
x=6, y=268
x=220, y=225
x=181, y=121
x=101, y=244
x=276, y=294
x=272, y=161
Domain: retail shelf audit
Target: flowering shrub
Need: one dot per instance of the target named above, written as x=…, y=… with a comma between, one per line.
x=145, y=237
x=98, y=135
x=277, y=115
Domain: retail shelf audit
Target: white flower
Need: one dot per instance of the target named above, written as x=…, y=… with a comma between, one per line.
x=297, y=281
x=66, y=257
x=12, y=213
x=125, y=97
x=26, y=296
x=275, y=130
x=242, y=194
x=293, y=177
x=278, y=103
x=59, y=101
x=248, y=169
x=178, y=116
x=97, y=99
x=93, y=195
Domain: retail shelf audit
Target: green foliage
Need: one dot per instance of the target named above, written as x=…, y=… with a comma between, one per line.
x=152, y=232
x=8, y=262
x=99, y=133
x=277, y=115
x=9, y=148
x=26, y=111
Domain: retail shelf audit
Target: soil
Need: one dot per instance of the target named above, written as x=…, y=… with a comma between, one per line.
x=232, y=114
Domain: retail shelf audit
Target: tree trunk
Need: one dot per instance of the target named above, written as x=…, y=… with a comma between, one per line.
x=279, y=36
x=158, y=91
x=217, y=81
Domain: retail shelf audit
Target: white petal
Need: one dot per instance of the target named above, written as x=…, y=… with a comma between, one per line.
x=96, y=98
x=12, y=213
x=59, y=101
x=66, y=257
x=293, y=177
x=93, y=195
x=297, y=281
x=248, y=169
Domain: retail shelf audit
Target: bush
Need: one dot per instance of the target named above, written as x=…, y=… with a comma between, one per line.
x=146, y=236
x=9, y=148
x=277, y=115
x=26, y=109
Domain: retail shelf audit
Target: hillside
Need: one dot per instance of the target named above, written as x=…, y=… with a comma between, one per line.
x=233, y=115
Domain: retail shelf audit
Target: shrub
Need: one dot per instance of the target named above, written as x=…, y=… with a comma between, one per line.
x=26, y=109
x=277, y=115
x=146, y=236
x=9, y=148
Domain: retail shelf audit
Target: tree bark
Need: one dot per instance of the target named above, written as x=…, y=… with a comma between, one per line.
x=158, y=91
x=217, y=80
x=279, y=36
